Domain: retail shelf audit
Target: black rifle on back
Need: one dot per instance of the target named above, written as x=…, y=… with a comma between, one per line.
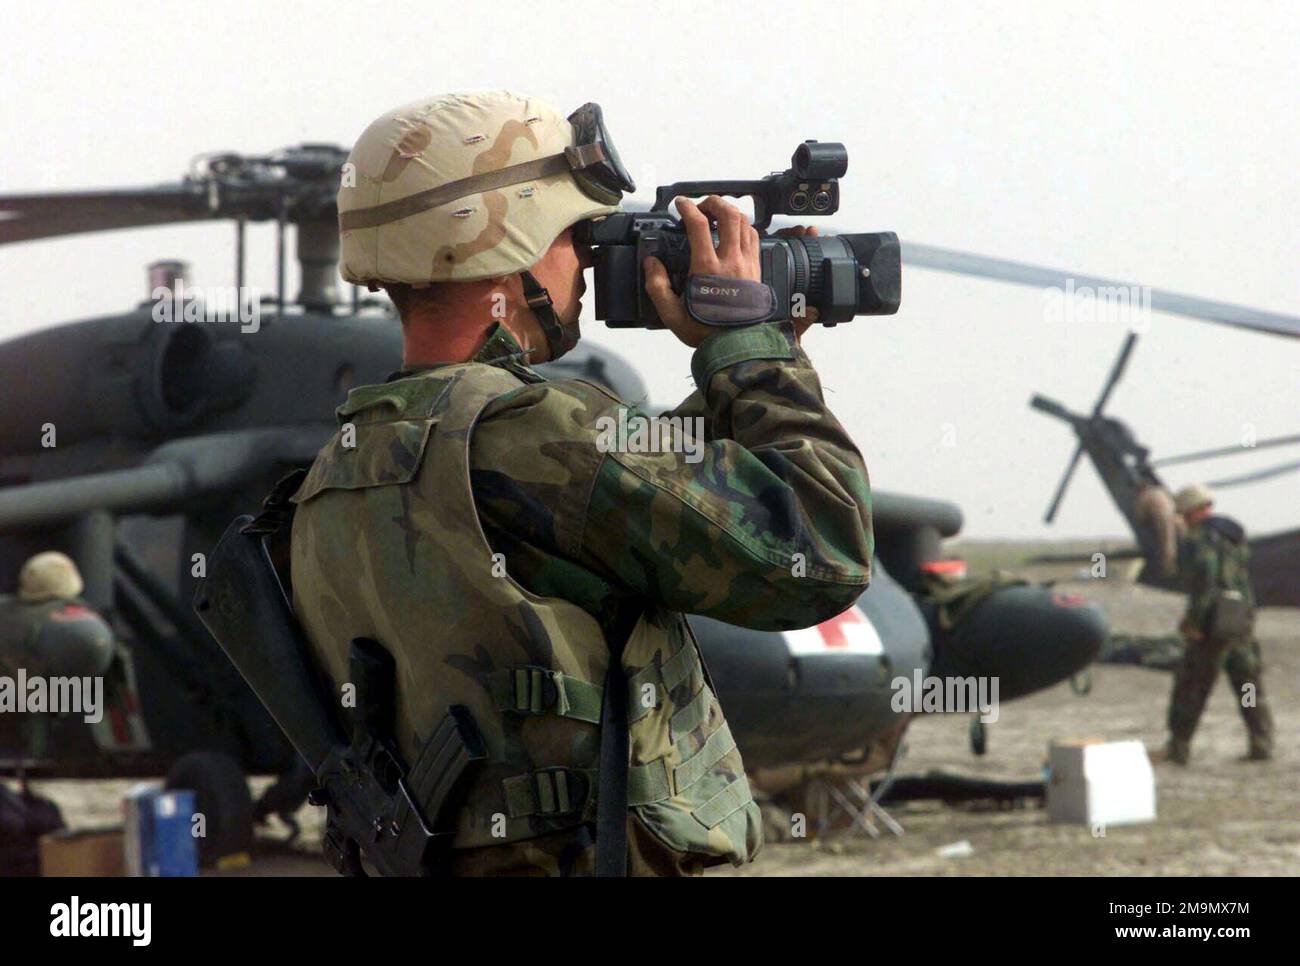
x=400, y=820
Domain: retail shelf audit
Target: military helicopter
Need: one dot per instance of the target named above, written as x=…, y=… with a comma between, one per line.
x=164, y=431
x=1124, y=465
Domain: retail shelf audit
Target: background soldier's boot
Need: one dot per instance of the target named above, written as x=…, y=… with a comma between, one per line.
x=1176, y=750
x=1260, y=724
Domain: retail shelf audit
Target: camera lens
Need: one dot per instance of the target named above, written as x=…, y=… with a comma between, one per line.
x=799, y=201
x=821, y=200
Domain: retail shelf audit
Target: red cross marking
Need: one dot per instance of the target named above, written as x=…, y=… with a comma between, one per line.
x=832, y=631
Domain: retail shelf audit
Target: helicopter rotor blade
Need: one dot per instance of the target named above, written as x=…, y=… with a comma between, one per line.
x=296, y=184
x=1116, y=372
x=1065, y=482
x=1038, y=276
x=1256, y=476
x=1209, y=454
x=35, y=216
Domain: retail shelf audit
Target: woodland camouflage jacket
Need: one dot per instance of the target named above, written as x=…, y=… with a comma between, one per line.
x=766, y=525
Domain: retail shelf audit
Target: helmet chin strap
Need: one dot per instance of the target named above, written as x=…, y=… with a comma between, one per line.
x=560, y=338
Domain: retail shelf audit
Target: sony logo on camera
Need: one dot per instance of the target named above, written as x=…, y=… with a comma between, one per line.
x=718, y=290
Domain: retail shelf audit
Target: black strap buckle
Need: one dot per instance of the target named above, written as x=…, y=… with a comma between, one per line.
x=534, y=690
x=560, y=791
x=585, y=155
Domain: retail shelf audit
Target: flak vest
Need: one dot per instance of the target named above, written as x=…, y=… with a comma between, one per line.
x=387, y=544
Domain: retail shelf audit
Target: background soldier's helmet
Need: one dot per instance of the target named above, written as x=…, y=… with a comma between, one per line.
x=470, y=186
x=49, y=576
x=1193, y=497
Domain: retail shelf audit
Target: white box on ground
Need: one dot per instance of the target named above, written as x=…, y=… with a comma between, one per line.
x=1100, y=783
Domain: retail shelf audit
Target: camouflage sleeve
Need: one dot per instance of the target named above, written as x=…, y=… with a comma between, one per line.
x=758, y=513
x=1203, y=574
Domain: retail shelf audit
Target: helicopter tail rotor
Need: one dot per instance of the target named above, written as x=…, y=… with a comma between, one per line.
x=1082, y=425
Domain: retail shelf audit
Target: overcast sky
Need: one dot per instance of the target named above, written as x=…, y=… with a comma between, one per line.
x=1155, y=142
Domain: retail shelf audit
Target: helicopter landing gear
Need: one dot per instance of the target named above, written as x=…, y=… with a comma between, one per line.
x=221, y=796
x=285, y=797
x=834, y=798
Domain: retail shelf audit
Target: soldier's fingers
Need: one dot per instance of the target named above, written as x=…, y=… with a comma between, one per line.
x=670, y=308
x=660, y=289
x=802, y=325
x=729, y=219
x=704, y=260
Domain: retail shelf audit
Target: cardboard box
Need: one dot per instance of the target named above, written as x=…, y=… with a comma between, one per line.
x=1100, y=783
x=89, y=852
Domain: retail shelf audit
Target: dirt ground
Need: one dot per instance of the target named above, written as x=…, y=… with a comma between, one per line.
x=1220, y=816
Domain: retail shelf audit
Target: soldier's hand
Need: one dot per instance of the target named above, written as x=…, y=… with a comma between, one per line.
x=735, y=257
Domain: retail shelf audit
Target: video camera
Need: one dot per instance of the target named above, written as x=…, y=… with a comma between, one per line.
x=840, y=275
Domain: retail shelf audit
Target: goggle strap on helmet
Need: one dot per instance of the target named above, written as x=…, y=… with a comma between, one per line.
x=539, y=300
x=571, y=160
x=585, y=155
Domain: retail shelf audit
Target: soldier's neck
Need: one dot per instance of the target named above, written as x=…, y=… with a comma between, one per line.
x=455, y=330
x=426, y=344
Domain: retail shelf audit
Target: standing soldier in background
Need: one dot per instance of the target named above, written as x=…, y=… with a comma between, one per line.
x=468, y=518
x=1218, y=627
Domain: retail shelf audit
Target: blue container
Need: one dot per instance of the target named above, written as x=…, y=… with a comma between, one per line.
x=160, y=833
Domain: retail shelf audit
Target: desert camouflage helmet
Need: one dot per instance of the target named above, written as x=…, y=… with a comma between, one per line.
x=1193, y=497
x=49, y=576
x=469, y=186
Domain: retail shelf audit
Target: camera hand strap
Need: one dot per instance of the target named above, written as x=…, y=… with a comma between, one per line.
x=729, y=302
